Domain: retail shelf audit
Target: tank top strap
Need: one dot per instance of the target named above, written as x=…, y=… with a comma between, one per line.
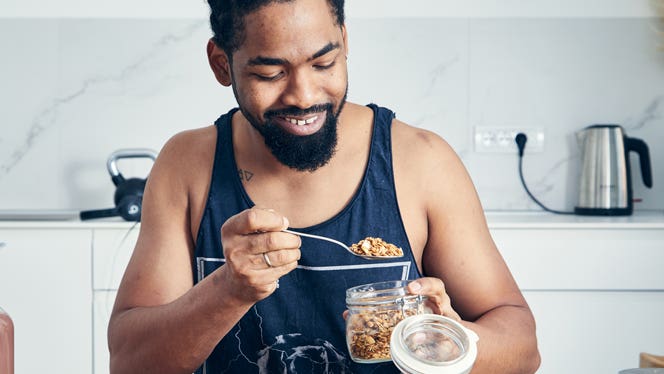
x=379, y=171
x=224, y=159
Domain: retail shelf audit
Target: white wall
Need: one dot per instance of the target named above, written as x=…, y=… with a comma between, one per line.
x=77, y=87
x=354, y=8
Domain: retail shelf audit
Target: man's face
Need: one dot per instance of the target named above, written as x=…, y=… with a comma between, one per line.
x=290, y=80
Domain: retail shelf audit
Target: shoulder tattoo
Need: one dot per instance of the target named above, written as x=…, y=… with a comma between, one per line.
x=245, y=175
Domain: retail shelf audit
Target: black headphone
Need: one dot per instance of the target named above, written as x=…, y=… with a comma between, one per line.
x=128, y=195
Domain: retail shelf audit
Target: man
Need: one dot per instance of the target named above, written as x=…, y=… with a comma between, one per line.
x=214, y=285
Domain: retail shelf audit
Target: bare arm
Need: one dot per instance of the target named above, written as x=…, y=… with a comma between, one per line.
x=469, y=274
x=161, y=322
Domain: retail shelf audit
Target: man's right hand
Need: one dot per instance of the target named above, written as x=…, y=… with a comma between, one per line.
x=257, y=253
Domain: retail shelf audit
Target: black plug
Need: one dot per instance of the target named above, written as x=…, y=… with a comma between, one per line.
x=521, y=140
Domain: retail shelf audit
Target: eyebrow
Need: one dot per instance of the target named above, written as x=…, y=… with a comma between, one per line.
x=262, y=60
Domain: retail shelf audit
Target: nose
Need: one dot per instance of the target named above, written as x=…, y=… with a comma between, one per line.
x=301, y=90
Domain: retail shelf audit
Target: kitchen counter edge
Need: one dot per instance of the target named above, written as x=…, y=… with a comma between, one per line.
x=495, y=220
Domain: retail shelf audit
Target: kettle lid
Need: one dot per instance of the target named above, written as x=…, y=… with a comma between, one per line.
x=603, y=126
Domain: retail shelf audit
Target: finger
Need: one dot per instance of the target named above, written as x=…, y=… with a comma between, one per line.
x=255, y=220
x=262, y=280
x=426, y=286
x=271, y=241
x=277, y=258
x=442, y=306
x=449, y=312
x=272, y=274
x=266, y=258
x=437, y=298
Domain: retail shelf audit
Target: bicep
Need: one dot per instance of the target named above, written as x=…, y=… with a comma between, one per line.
x=459, y=248
x=160, y=268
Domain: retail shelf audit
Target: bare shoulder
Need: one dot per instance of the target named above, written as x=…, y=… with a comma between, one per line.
x=423, y=155
x=183, y=152
x=183, y=161
x=180, y=177
x=427, y=167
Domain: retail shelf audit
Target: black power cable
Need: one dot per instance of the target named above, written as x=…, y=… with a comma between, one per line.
x=521, y=140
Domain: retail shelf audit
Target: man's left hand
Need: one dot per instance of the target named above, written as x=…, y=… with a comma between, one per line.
x=437, y=298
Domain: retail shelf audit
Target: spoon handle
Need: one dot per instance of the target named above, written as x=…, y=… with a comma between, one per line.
x=317, y=237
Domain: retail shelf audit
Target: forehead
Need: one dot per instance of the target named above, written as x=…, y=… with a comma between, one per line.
x=289, y=29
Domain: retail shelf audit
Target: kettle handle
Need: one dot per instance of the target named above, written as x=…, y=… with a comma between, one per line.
x=640, y=147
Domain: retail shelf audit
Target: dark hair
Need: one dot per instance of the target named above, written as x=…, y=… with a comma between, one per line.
x=227, y=19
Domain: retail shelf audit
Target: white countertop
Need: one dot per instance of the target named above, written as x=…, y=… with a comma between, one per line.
x=56, y=219
x=495, y=220
x=531, y=219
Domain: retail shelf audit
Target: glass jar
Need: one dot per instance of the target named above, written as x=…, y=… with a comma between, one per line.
x=373, y=312
x=6, y=343
x=431, y=343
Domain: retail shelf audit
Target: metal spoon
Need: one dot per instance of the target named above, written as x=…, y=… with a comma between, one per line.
x=368, y=257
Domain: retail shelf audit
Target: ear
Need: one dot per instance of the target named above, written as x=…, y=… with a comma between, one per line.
x=344, y=33
x=219, y=63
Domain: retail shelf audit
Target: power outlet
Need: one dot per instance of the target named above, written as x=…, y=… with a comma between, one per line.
x=501, y=139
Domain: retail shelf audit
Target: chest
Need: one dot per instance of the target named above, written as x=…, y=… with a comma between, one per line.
x=304, y=204
x=307, y=199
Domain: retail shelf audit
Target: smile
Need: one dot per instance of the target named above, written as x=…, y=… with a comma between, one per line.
x=301, y=122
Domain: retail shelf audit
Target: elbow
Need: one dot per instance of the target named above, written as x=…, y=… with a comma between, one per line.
x=131, y=351
x=116, y=358
x=119, y=347
x=538, y=361
x=532, y=361
x=118, y=363
x=531, y=355
x=115, y=365
x=529, y=358
x=113, y=340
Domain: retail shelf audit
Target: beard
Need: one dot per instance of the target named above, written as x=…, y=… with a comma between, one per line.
x=302, y=153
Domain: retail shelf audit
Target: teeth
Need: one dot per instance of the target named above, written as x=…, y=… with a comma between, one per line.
x=302, y=122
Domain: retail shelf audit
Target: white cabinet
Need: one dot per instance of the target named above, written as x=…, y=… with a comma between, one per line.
x=111, y=250
x=45, y=287
x=597, y=292
x=595, y=258
x=596, y=331
x=102, y=308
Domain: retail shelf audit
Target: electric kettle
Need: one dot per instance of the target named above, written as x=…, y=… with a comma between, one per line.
x=606, y=186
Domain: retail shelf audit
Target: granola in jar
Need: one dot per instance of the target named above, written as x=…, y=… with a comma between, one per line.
x=373, y=312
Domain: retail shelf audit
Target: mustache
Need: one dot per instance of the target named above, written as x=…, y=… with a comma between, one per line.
x=295, y=111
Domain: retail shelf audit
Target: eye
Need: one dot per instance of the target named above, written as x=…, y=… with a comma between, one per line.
x=268, y=78
x=325, y=66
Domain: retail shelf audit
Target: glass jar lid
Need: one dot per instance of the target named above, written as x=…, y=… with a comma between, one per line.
x=382, y=293
x=430, y=343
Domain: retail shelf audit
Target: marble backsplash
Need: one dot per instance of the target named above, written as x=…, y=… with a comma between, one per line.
x=74, y=90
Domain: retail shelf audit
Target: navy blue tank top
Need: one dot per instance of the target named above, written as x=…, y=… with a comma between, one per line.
x=300, y=327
